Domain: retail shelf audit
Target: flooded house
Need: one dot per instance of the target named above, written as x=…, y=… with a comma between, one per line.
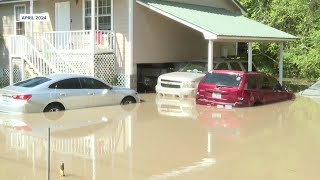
x=115, y=39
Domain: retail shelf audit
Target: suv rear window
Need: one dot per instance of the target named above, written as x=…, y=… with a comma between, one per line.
x=32, y=82
x=228, y=80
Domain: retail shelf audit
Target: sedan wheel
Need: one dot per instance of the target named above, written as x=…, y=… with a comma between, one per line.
x=54, y=108
x=128, y=100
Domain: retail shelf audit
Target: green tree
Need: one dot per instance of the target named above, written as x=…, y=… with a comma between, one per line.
x=298, y=17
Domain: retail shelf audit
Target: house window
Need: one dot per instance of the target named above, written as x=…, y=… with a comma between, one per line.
x=242, y=48
x=102, y=14
x=19, y=25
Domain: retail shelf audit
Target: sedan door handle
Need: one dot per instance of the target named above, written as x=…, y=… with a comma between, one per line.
x=90, y=93
x=63, y=94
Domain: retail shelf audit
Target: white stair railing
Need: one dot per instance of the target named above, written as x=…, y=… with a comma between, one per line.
x=23, y=48
x=55, y=58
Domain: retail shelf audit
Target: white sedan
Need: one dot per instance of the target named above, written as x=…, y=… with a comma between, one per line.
x=60, y=92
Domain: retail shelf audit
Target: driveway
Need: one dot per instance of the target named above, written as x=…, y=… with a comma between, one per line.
x=165, y=139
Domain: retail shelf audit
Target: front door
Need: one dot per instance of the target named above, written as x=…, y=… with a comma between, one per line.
x=62, y=17
x=62, y=23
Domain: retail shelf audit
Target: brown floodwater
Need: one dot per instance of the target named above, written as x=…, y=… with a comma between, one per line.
x=165, y=138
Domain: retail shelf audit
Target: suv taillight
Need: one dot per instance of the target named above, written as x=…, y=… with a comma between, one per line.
x=242, y=94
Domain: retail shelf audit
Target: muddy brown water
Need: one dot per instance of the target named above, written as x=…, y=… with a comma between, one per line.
x=165, y=138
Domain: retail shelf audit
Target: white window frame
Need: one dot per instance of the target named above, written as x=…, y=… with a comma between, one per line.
x=15, y=18
x=97, y=14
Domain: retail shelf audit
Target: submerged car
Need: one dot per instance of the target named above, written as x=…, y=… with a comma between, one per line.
x=59, y=92
x=239, y=88
x=185, y=81
x=312, y=92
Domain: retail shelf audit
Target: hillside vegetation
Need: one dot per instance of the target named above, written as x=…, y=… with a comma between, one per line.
x=297, y=17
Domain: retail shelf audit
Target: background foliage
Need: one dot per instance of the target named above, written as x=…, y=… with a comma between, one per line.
x=297, y=17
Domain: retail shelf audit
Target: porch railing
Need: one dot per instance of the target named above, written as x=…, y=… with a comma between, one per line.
x=23, y=48
x=80, y=41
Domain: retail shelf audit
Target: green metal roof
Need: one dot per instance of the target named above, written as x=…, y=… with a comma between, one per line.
x=222, y=23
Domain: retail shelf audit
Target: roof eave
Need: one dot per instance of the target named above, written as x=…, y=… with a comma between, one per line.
x=256, y=39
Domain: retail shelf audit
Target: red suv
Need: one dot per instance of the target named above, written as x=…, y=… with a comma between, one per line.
x=238, y=88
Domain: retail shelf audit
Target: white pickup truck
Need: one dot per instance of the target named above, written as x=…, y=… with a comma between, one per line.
x=185, y=81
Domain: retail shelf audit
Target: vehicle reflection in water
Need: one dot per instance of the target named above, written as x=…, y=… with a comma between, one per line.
x=176, y=107
x=77, y=135
x=113, y=143
x=238, y=124
x=232, y=124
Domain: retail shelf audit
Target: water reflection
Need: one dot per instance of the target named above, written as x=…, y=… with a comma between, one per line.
x=175, y=107
x=79, y=134
x=238, y=123
x=113, y=143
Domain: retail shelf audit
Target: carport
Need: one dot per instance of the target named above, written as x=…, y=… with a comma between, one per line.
x=220, y=25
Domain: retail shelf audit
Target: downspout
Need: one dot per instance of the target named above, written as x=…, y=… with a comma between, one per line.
x=130, y=44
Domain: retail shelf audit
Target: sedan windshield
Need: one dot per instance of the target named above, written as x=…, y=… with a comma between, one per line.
x=223, y=80
x=32, y=82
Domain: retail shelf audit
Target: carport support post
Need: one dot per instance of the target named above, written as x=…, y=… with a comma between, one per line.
x=93, y=36
x=249, y=56
x=130, y=45
x=210, y=55
x=281, y=63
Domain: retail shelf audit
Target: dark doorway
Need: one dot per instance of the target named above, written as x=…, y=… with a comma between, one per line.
x=148, y=75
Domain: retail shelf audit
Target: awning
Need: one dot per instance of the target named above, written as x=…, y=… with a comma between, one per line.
x=216, y=23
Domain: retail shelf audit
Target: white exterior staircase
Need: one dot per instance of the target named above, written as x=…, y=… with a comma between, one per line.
x=42, y=63
x=66, y=52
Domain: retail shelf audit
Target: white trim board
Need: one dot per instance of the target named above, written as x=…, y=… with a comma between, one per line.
x=12, y=2
x=14, y=16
